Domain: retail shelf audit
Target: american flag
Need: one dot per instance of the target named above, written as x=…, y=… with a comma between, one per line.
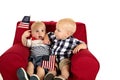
x=25, y=22
x=49, y=64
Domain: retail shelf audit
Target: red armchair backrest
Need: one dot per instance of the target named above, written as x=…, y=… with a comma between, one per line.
x=50, y=26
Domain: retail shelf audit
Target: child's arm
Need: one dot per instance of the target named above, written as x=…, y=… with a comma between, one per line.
x=24, y=37
x=79, y=47
x=46, y=39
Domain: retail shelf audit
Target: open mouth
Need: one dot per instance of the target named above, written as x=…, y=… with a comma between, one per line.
x=40, y=37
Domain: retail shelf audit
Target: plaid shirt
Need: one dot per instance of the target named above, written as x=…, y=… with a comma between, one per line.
x=62, y=48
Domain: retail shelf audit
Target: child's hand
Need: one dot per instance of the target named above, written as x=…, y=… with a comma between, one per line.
x=76, y=49
x=79, y=47
x=46, y=40
x=27, y=33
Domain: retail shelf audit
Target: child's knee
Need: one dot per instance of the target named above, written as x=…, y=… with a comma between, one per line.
x=64, y=63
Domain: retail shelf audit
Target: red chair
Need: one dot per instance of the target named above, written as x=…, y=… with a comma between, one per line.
x=84, y=65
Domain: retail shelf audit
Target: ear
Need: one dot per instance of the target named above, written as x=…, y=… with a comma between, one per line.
x=69, y=33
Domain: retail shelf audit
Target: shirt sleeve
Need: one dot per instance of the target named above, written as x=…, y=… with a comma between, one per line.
x=77, y=41
x=51, y=36
x=29, y=43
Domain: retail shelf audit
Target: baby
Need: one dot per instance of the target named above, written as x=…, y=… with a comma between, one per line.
x=63, y=44
x=39, y=52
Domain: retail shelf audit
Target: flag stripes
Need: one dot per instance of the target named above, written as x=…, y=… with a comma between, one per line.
x=23, y=25
x=49, y=64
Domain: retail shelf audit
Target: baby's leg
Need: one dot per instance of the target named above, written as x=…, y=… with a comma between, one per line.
x=40, y=72
x=30, y=68
x=64, y=68
x=65, y=71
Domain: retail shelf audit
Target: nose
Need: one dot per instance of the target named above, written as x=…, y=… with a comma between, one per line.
x=39, y=33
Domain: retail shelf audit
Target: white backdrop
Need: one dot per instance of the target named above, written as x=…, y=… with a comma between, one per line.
x=100, y=16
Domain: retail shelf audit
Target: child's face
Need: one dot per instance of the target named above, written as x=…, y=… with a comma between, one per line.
x=38, y=32
x=61, y=32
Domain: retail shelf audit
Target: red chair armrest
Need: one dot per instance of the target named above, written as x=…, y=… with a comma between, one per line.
x=12, y=59
x=84, y=66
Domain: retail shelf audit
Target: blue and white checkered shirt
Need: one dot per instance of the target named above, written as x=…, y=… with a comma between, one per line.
x=62, y=48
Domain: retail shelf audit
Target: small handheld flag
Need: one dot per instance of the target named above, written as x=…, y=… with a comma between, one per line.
x=49, y=64
x=25, y=22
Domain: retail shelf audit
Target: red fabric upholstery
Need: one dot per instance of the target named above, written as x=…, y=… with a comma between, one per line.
x=84, y=65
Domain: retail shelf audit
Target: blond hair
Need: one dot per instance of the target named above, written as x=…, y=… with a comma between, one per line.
x=68, y=24
x=38, y=23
